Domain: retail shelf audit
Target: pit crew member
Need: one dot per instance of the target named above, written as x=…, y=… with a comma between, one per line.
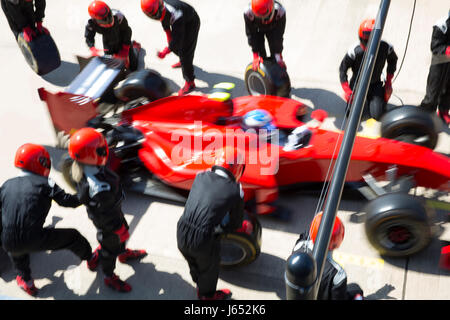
x=378, y=94
x=265, y=19
x=438, y=82
x=25, y=202
x=116, y=33
x=213, y=195
x=100, y=191
x=181, y=24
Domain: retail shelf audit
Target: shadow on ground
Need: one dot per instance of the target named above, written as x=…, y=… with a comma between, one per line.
x=214, y=78
x=247, y=276
x=63, y=75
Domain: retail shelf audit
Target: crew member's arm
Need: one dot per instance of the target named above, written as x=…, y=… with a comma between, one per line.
x=439, y=44
x=390, y=70
x=61, y=197
x=345, y=65
x=89, y=34
x=236, y=213
x=275, y=37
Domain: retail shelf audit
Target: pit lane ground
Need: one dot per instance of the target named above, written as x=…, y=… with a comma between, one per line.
x=318, y=33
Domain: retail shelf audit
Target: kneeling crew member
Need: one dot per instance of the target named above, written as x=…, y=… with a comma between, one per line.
x=377, y=94
x=333, y=285
x=213, y=195
x=25, y=202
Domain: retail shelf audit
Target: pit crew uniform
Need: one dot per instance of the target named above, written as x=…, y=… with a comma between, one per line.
x=213, y=194
x=25, y=202
x=438, y=81
x=333, y=285
x=182, y=24
x=23, y=13
x=114, y=37
x=256, y=31
x=100, y=191
x=375, y=102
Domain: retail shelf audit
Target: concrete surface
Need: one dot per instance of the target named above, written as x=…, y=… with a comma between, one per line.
x=318, y=33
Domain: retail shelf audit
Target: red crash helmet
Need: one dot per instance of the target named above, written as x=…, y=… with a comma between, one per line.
x=33, y=158
x=263, y=9
x=365, y=28
x=232, y=160
x=154, y=9
x=88, y=146
x=337, y=235
x=101, y=13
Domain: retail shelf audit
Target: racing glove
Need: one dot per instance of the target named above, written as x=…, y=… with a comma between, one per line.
x=28, y=34
x=247, y=227
x=41, y=28
x=124, y=54
x=388, y=87
x=256, y=61
x=447, y=52
x=280, y=61
x=122, y=233
x=347, y=91
x=95, y=52
x=164, y=53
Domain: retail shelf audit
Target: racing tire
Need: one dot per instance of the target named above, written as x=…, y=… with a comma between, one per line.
x=410, y=124
x=66, y=170
x=241, y=248
x=143, y=83
x=269, y=79
x=397, y=225
x=41, y=53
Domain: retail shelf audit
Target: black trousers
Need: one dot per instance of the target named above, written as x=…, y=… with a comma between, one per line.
x=438, y=89
x=11, y=23
x=375, y=105
x=188, y=51
x=50, y=239
x=111, y=247
x=204, y=265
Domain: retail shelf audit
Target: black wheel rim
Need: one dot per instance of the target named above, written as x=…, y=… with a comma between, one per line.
x=256, y=84
x=398, y=236
x=231, y=253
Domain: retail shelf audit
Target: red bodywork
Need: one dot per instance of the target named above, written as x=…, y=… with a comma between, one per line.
x=194, y=125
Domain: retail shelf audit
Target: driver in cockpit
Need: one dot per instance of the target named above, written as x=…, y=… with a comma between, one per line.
x=261, y=122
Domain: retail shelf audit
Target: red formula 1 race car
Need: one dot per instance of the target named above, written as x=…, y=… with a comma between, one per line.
x=159, y=146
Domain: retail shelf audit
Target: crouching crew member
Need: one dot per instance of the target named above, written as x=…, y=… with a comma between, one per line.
x=438, y=81
x=100, y=191
x=25, y=16
x=25, y=202
x=116, y=32
x=265, y=19
x=378, y=94
x=181, y=24
x=213, y=195
x=333, y=285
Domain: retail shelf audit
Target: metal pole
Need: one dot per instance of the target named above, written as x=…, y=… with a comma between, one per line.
x=320, y=249
x=303, y=270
